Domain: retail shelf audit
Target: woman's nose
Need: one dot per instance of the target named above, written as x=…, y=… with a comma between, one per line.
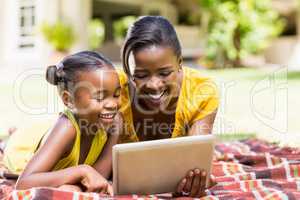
x=154, y=83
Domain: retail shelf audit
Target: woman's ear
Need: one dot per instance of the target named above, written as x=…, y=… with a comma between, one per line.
x=131, y=80
x=67, y=99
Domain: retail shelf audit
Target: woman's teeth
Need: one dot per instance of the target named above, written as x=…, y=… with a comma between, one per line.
x=107, y=115
x=156, y=96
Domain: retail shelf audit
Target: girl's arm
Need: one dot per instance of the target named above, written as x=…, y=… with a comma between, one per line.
x=104, y=163
x=38, y=171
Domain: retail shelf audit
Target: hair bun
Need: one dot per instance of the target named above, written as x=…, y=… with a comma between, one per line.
x=51, y=75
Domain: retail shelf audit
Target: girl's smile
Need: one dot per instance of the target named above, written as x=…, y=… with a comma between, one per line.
x=99, y=102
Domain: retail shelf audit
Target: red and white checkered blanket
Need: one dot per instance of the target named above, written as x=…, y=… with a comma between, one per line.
x=249, y=169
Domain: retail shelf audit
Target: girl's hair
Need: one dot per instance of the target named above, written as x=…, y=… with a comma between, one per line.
x=148, y=31
x=65, y=73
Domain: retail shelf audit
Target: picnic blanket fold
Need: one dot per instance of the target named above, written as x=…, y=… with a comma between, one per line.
x=248, y=169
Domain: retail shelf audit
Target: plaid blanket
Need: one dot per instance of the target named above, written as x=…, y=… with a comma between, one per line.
x=248, y=169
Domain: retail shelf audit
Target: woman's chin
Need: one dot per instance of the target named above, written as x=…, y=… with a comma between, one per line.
x=156, y=105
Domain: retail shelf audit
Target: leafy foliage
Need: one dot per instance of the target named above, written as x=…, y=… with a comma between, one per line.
x=237, y=28
x=60, y=35
x=121, y=26
x=96, y=33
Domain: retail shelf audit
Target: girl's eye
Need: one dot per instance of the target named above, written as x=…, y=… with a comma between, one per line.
x=99, y=98
x=166, y=73
x=117, y=93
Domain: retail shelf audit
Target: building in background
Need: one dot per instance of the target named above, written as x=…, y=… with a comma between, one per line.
x=23, y=46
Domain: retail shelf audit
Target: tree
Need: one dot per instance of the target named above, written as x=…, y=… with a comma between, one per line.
x=236, y=28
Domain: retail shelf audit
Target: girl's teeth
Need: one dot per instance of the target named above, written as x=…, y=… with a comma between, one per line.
x=106, y=116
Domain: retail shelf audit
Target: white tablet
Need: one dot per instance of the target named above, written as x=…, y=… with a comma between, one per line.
x=155, y=167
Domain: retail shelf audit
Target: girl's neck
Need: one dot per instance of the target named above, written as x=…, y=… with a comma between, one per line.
x=86, y=128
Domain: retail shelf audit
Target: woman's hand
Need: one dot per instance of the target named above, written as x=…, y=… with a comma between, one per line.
x=193, y=185
x=94, y=182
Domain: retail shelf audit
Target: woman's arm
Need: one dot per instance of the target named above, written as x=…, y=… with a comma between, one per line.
x=194, y=182
x=203, y=126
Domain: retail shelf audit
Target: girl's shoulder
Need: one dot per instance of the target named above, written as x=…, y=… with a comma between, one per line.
x=21, y=146
x=62, y=131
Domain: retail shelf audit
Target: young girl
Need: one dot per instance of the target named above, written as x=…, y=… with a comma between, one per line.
x=76, y=153
x=160, y=97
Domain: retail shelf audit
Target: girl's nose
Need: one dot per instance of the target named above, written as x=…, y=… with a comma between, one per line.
x=112, y=104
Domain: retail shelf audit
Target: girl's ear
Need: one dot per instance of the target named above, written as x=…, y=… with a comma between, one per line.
x=67, y=99
x=180, y=61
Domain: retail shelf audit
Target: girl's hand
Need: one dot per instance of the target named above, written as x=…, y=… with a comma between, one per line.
x=94, y=182
x=193, y=185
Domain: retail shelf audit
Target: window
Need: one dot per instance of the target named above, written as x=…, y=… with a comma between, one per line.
x=26, y=23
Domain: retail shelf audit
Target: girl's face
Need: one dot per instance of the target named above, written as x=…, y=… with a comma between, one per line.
x=96, y=96
x=157, y=76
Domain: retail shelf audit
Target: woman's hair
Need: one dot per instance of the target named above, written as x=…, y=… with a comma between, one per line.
x=65, y=73
x=148, y=31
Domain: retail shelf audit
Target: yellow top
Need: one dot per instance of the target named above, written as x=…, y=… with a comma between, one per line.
x=22, y=146
x=198, y=98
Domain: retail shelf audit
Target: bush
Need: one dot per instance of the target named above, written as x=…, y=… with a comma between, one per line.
x=121, y=26
x=96, y=33
x=237, y=28
x=60, y=35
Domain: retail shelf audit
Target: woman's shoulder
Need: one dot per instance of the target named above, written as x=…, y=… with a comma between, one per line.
x=195, y=75
x=199, y=95
x=195, y=82
x=123, y=77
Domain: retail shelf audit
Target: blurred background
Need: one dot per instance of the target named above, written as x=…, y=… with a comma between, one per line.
x=250, y=47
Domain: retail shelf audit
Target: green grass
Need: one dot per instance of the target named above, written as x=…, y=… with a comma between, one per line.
x=235, y=118
x=235, y=136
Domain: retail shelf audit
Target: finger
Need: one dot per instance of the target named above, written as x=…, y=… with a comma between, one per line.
x=189, y=181
x=202, y=188
x=180, y=186
x=103, y=188
x=196, y=183
x=90, y=189
x=212, y=183
x=110, y=190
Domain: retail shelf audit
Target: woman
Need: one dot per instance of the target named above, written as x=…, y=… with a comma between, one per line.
x=160, y=98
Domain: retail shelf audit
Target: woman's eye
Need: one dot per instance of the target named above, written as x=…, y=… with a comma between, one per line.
x=140, y=76
x=167, y=73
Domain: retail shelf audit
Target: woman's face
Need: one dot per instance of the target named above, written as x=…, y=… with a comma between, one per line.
x=157, y=75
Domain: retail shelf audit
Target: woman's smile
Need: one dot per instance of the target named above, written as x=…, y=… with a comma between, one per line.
x=156, y=98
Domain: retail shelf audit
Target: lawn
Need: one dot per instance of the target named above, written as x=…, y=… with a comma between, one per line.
x=264, y=102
